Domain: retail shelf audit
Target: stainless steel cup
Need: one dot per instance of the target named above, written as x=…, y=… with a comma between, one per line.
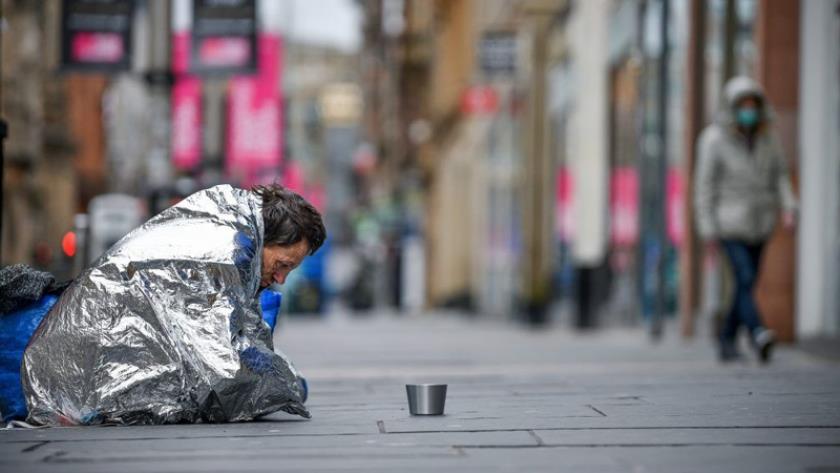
x=426, y=399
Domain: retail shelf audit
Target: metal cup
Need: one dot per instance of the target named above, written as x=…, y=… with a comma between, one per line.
x=426, y=399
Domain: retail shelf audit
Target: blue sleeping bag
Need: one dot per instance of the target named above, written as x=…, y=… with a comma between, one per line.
x=16, y=328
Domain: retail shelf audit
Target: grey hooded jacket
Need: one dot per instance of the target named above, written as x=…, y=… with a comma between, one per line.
x=739, y=192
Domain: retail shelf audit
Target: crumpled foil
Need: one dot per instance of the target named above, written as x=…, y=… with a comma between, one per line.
x=165, y=327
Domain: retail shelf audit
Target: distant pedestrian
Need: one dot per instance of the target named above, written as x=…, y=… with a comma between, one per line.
x=742, y=186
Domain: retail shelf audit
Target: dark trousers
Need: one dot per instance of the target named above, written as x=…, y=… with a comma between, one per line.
x=745, y=259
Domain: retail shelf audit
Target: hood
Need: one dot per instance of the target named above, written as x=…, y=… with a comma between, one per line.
x=736, y=89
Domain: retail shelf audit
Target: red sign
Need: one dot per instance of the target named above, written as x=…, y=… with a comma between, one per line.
x=480, y=100
x=624, y=206
x=564, y=201
x=255, y=128
x=674, y=196
x=186, y=107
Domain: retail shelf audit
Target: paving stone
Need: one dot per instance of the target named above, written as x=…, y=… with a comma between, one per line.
x=518, y=400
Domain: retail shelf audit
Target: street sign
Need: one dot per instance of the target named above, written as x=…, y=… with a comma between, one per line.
x=480, y=100
x=497, y=53
x=341, y=104
x=96, y=35
x=224, y=37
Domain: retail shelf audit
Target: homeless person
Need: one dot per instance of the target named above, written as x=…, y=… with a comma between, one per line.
x=166, y=326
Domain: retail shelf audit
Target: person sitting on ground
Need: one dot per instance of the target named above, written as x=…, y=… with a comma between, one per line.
x=166, y=326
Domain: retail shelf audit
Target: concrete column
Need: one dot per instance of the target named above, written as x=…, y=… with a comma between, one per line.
x=818, y=249
x=777, y=42
x=537, y=190
x=588, y=147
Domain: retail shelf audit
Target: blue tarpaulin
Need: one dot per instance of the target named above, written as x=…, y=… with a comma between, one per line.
x=16, y=328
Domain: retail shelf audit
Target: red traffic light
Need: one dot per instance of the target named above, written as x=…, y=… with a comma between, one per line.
x=68, y=244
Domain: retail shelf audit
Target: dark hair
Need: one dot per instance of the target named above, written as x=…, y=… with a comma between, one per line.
x=288, y=218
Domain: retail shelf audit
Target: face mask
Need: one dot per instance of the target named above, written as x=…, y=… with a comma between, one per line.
x=747, y=117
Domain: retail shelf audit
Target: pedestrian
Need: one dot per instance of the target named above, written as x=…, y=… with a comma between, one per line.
x=166, y=326
x=742, y=186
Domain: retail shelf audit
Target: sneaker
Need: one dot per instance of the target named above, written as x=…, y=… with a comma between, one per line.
x=764, y=340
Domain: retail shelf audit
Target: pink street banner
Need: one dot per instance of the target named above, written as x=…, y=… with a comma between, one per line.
x=675, y=212
x=624, y=206
x=225, y=51
x=563, y=205
x=186, y=107
x=254, y=126
x=97, y=47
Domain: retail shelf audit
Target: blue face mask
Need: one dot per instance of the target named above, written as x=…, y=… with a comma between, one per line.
x=747, y=117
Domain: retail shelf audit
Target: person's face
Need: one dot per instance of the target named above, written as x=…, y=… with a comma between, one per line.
x=747, y=113
x=278, y=261
x=748, y=102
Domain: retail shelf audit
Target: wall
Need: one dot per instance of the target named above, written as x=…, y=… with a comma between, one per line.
x=588, y=135
x=777, y=42
x=818, y=249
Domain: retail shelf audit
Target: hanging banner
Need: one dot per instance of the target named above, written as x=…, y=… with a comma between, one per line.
x=674, y=196
x=624, y=206
x=186, y=108
x=224, y=37
x=96, y=35
x=254, y=127
x=497, y=53
x=564, y=205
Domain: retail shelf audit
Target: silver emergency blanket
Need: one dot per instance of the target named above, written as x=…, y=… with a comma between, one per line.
x=165, y=327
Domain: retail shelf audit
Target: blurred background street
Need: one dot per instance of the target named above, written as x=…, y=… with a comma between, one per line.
x=518, y=159
x=508, y=189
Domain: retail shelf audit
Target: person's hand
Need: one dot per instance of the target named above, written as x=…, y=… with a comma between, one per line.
x=789, y=219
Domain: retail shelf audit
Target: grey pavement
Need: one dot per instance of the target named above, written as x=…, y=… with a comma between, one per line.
x=518, y=400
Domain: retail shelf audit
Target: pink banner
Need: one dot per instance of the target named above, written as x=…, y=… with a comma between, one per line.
x=225, y=51
x=186, y=108
x=564, y=201
x=180, y=52
x=624, y=206
x=674, y=195
x=255, y=128
x=97, y=47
